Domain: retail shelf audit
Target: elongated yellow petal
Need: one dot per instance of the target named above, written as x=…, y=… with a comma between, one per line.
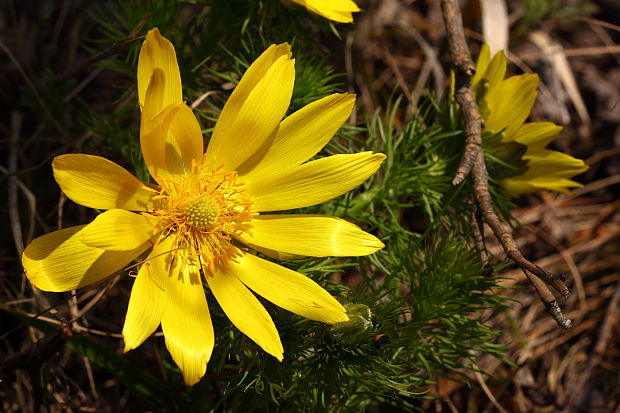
x=518, y=185
x=336, y=10
x=59, y=261
x=170, y=136
x=314, y=182
x=537, y=135
x=301, y=136
x=154, y=125
x=257, y=70
x=510, y=104
x=484, y=58
x=553, y=163
x=158, y=52
x=246, y=124
x=148, y=296
x=184, y=142
x=496, y=70
x=311, y=235
x=186, y=321
x=170, y=140
x=246, y=312
x=95, y=182
x=119, y=230
x=288, y=289
x=546, y=170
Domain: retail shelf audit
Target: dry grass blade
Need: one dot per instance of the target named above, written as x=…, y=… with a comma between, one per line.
x=555, y=55
x=495, y=24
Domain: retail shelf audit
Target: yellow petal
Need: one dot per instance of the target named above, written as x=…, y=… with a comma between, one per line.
x=288, y=289
x=496, y=70
x=481, y=64
x=519, y=185
x=510, y=104
x=59, y=261
x=537, y=135
x=186, y=321
x=247, y=121
x=184, y=142
x=553, y=163
x=119, y=230
x=170, y=140
x=148, y=296
x=336, y=10
x=95, y=182
x=158, y=52
x=314, y=182
x=311, y=235
x=257, y=70
x=246, y=312
x=154, y=125
x=546, y=170
x=302, y=135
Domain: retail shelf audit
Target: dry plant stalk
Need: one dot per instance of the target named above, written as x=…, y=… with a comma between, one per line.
x=472, y=162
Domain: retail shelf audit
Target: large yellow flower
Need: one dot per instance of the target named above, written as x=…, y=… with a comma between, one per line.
x=336, y=10
x=204, y=208
x=505, y=104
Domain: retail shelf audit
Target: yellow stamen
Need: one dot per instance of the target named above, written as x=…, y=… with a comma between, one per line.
x=205, y=209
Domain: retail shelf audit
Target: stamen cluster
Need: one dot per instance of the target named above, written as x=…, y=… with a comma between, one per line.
x=204, y=209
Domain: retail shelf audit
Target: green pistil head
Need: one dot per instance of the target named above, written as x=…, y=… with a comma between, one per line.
x=202, y=212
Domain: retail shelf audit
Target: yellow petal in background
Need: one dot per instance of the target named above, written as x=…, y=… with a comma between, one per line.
x=496, y=71
x=148, y=296
x=118, y=230
x=95, y=182
x=311, y=235
x=288, y=289
x=59, y=261
x=336, y=10
x=546, y=170
x=257, y=117
x=314, y=182
x=537, y=135
x=484, y=58
x=301, y=136
x=158, y=52
x=186, y=321
x=510, y=104
x=246, y=312
x=553, y=163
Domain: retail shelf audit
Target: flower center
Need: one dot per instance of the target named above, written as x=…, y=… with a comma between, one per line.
x=204, y=210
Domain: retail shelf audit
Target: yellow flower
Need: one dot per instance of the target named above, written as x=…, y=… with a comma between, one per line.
x=505, y=104
x=336, y=10
x=204, y=208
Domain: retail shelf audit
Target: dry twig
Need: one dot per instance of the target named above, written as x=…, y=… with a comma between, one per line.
x=473, y=161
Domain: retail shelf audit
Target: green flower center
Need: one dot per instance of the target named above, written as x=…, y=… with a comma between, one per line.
x=202, y=212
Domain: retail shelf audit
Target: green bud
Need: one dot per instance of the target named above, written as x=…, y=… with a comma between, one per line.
x=359, y=327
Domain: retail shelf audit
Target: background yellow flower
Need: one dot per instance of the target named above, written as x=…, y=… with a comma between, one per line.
x=505, y=104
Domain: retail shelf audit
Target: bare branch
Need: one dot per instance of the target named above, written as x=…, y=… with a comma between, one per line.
x=472, y=162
